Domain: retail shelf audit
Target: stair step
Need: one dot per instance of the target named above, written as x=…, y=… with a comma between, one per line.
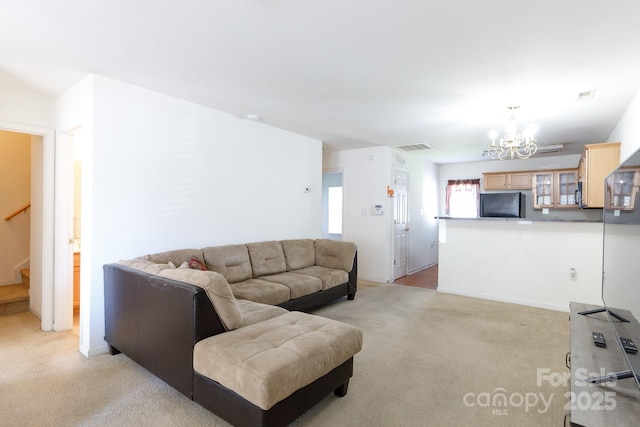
x=14, y=299
x=26, y=277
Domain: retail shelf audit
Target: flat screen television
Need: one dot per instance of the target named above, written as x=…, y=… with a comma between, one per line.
x=621, y=255
x=502, y=205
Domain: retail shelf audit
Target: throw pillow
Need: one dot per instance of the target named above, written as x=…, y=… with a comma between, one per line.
x=196, y=264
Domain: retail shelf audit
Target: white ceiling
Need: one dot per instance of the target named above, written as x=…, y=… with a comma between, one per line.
x=352, y=73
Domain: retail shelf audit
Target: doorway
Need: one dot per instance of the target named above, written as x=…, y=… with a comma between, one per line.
x=15, y=208
x=68, y=227
x=42, y=213
x=332, y=202
x=75, y=143
x=400, y=223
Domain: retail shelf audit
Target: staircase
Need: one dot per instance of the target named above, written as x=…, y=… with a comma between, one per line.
x=15, y=298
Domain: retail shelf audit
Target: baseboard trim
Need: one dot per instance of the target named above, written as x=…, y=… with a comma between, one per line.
x=95, y=351
x=528, y=303
x=423, y=268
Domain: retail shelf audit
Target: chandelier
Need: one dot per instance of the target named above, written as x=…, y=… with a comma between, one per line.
x=513, y=144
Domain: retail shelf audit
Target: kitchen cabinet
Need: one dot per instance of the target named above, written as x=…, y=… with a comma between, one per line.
x=507, y=181
x=596, y=163
x=555, y=189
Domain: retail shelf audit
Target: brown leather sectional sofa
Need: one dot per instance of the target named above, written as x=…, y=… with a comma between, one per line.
x=156, y=319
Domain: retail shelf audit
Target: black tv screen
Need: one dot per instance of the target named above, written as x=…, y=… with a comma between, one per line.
x=502, y=205
x=620, y=266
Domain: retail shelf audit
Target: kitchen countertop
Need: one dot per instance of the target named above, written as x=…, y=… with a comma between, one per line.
x=519, y=219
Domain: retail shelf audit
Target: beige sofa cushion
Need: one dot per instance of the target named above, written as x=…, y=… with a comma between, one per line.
x=261, y=291
x=299, y=253
x=232, y=261
x=266, y=258
x=254, y=312
x=298, y=284
x=268, y=361
x=146, y=266
x=335, y=254
x=330, y=277
x=217, y=290
x=177, y=257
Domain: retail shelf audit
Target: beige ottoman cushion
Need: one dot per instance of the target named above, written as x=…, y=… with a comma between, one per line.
x=254, y=312
x=268, y=361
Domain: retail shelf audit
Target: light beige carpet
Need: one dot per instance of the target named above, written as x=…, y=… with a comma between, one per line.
x=428, y=360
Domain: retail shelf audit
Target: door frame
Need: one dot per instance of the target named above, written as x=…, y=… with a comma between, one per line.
x=333, y=171
x=42, y=242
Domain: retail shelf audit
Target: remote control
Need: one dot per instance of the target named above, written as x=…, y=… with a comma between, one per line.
x=598, y=339
x=628, y=345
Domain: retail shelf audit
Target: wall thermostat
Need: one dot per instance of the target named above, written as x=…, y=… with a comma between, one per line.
x=377, y=210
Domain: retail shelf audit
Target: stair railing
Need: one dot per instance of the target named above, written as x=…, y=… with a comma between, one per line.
x=22, y=209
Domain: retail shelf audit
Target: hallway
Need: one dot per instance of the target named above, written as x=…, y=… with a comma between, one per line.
x=427, y=278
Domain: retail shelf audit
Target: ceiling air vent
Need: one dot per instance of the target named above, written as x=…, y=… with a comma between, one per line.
x=555, y=148
x=413, y=147
x=586, y=95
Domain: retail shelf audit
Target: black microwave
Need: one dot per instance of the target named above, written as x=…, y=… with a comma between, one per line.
x=579, y=195
x=502, y=205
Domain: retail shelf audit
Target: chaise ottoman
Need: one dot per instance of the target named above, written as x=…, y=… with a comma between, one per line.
x=269, y=373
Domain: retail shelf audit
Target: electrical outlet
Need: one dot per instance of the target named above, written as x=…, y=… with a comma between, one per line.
x=573, y=274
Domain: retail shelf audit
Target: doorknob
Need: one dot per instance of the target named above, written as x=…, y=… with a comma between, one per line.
x=406, y=229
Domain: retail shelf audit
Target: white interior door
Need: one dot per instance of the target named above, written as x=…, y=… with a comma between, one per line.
x=400, y=223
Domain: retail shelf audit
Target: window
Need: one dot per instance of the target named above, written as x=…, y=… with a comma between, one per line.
x=335, y=210
x=463, y=197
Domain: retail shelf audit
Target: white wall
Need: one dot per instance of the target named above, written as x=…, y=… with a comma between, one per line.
x=160, y=173
x=366, y=174
x=521, y=262
x=25, y=108
x=627, y=130
x=423, y=210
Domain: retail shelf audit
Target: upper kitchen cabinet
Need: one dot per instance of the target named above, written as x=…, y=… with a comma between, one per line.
x=555, y=189
x=507, y=181
x=596, y=163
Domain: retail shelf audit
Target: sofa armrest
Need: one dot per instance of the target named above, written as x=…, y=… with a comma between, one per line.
x=353, y=278
x=335, y=254
x=156, y=322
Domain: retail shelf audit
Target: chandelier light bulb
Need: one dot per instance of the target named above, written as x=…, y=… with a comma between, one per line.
x=493, y=135
x=530, y=132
